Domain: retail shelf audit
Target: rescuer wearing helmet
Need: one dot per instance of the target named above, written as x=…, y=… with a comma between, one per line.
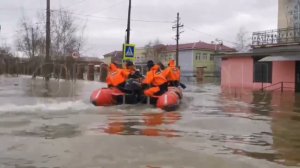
x=154, y=78
x=172, y=74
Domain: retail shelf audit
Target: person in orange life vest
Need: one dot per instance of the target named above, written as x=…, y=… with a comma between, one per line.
x=154, y=78
x=130, y=69
x=116, y=77
x=172, y=74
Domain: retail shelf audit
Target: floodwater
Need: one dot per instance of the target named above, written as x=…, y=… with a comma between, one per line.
x=53, y=125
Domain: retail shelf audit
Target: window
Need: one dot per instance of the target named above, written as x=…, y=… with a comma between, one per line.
x=262, y=71
x=198, y=56
x=211, y=57
x=204, y=56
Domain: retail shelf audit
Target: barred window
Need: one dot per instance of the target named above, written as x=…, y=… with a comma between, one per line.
x=262, y=71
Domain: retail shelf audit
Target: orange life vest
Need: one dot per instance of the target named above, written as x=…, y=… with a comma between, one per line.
x=172, y=73
x=155, y=77
x=116, y=76
x=130, y=71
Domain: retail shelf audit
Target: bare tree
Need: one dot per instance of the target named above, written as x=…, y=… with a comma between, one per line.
x=153, y=50
x=27, y=38
x=8, y=63
x=66, y=36
x=148, y=51
x=243, y=43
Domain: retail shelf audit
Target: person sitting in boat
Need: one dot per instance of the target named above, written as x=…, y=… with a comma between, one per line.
x=162, y=66
x=133, y=83
x=133, y=73
x=155, y=80
x=172, y=74
x=116, y=77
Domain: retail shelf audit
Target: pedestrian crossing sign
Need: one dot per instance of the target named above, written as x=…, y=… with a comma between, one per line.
x=129, y=52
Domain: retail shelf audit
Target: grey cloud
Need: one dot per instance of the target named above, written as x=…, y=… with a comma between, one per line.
x=215, y=18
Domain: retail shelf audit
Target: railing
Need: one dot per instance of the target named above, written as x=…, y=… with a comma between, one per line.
x=276, y=37
x=280, y=86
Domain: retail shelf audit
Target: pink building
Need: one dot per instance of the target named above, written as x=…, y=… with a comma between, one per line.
x=267, y=67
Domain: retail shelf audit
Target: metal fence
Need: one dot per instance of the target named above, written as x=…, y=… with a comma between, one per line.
x=276, y=37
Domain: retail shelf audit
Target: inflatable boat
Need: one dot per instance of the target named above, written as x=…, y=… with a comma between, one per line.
x=112, y=96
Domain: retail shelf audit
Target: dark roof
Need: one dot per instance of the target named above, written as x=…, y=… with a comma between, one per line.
x=114, y=54
x=200, y=46
x=235, y=54
x=264, y=51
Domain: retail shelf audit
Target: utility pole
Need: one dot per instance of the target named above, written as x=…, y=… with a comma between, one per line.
x=128, y=23
x=177, y=26
x=48, y=40
x=32, y=42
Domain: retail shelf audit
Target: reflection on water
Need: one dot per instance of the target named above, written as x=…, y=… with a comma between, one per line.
x=57, y=116
x=51, y=131
x=283, y=111
x=148, y=124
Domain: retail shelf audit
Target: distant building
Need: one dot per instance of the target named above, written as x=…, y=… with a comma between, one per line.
x=115, y=56
x=140, y=56
x=89, y=68
x=288, y=13
x=191, y=56
x=194, y=55
x=274, y=61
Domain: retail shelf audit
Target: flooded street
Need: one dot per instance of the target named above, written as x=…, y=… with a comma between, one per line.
x=53, y=125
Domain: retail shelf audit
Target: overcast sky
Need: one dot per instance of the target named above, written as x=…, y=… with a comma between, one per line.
x=106, y=20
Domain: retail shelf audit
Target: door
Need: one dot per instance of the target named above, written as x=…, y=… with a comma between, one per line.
x=298, y=76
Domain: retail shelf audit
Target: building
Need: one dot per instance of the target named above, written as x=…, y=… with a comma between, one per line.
x=288, y=13
x=90, y=68
x=194, y=55
x=115, y=56
x=274, y=61
x=140, y=56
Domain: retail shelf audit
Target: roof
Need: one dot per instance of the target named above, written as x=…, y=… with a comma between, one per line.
x=114, y=54
x=200, y=46
x=235, y=54
x=265, y=51
x=89, y=59
x=281, y=58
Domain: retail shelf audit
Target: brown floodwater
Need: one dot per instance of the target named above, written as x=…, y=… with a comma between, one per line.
x=53, y=125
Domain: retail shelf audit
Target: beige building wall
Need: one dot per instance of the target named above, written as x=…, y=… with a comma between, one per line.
x=288, y=13
x=107, y=60
x=140, y=55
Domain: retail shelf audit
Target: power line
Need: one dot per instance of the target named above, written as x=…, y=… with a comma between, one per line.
x=109, y=7
x=195, y=30
x=13, y=9
x=75, y=4
x=116, y=18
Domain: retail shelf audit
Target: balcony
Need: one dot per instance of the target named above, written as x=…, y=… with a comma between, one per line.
x=276, y=37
